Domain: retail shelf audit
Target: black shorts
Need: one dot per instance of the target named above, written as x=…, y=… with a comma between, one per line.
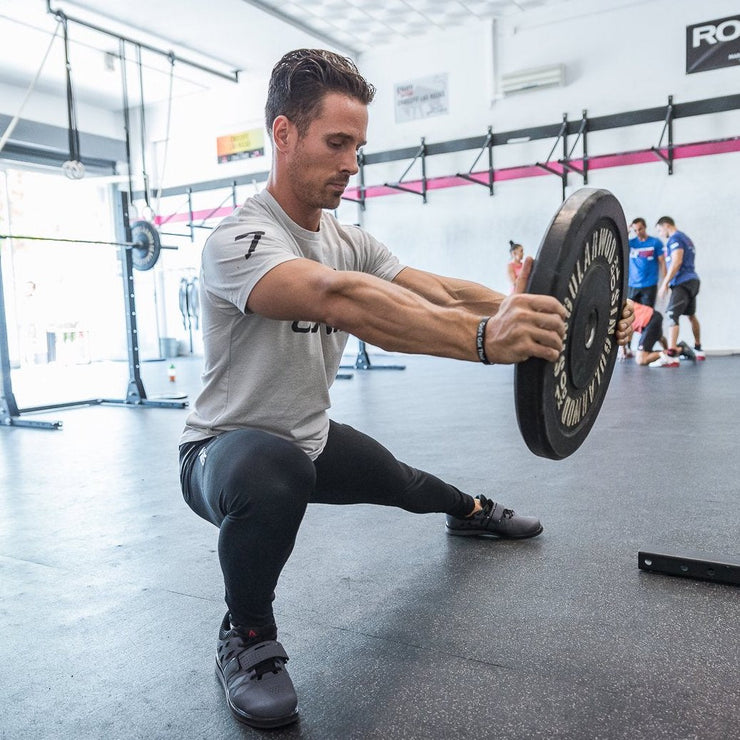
x=683, y=300
x=651, y=333
x=646, y=295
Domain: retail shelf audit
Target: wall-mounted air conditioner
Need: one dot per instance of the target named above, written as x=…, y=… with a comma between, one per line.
x=533, y=79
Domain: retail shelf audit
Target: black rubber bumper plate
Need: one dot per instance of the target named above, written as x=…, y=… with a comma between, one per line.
x=145, y=251
x=582, y=261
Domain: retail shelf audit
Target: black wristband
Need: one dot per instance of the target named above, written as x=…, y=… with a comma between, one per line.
x=480, y=341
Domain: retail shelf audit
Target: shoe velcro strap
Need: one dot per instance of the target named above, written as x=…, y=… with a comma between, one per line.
x=496, y=514
x=255, y=654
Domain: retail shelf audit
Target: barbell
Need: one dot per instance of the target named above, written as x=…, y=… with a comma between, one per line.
x=145, y=244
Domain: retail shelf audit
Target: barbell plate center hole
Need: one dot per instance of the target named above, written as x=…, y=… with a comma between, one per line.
x=593, y=320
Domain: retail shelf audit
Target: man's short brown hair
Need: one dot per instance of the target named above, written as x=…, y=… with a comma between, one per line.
x=300, y=80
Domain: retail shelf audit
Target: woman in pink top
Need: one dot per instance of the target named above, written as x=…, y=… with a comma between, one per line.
x=515, y=266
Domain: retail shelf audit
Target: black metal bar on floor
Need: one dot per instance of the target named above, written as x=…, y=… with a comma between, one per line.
x=704, y=567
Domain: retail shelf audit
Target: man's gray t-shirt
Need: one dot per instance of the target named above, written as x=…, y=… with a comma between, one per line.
x=263, y=373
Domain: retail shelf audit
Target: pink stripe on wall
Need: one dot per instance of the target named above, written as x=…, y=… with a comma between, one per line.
x=602, y=161
x=203, y=215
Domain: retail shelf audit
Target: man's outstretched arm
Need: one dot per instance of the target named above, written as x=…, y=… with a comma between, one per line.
x=416, y=319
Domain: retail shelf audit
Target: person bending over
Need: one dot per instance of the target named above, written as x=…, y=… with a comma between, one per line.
x=649, y=324
x=283, y=285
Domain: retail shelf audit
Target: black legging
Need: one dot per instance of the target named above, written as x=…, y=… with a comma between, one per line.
x=255, y=487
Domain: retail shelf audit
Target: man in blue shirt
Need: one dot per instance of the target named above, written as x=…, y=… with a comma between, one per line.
x=683, y=281
x=647, y=265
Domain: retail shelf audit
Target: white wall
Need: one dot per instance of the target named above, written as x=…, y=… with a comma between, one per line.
x=616, y=61
x=52, y=109
x=624, y=59
x=196, y=123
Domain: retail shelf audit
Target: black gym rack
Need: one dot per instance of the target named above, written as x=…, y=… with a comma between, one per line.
x=666, y=150
x=10, y=413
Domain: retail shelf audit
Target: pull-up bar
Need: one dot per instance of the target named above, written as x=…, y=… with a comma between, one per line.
x=233, y=77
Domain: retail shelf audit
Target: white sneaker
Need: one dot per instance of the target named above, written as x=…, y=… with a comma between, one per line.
x=665, y=361
x=700, y=355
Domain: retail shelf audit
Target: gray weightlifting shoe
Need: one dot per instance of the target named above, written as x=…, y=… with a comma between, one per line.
x=258, y=689
x=494, y=519
x=686, y=352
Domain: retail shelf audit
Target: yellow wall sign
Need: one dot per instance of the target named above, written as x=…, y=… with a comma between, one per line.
x=244, y=145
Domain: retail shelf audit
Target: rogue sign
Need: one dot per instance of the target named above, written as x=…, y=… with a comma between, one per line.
x=713, y=44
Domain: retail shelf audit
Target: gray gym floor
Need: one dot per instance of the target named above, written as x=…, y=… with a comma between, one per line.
x=111, y=593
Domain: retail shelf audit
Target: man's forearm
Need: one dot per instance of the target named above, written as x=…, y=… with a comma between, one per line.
x=401, y=320
x=676, y=263
x=671, y=273
x=397, y=319
x=418, y=313
x=451, y=292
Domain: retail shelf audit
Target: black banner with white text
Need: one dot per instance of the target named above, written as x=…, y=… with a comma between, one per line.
x=713, y=44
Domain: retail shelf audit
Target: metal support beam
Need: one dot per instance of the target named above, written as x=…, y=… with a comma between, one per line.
x=10, y=414
x=420, y=154
x=135, y=393
x=567, y=161
x=667, y=128
x=209, y=214
x=171, y=56
x=563, y=172
x=362, y=361
x=292, y=21
x=190, y=213
x=361, y=190
x=532, y=133
x=487, y=145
